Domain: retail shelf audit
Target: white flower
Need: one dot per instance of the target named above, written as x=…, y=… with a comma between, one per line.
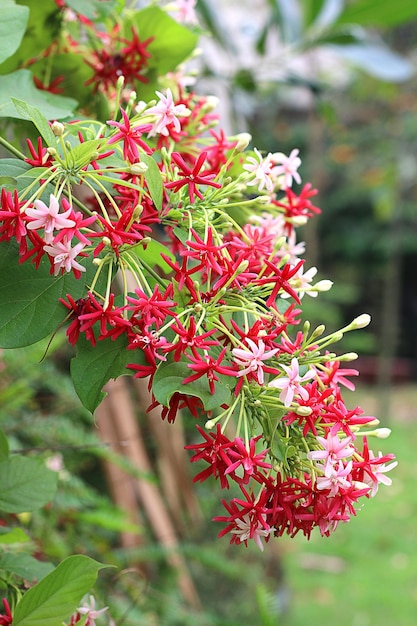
x=291, y=384
x=64, y=256
x=261, y=169
x=90, y=611
x=286, y=167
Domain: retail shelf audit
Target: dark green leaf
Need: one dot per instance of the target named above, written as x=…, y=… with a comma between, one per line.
x=28, y=112
x=52, y=601
x=154, y=180
x=94, y=366
x=14, y=19
x=29, y=306
x=26, y=484
x=4, y=446
x=25, y=565
x=20, y=85
x=42, y=29
x=168, y=380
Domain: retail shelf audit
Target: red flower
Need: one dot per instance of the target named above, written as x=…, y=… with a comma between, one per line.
x=214, y=451
x=207, y=366
x=131, y=138
x=12, y=224
x=6, y=619
x=191, y=177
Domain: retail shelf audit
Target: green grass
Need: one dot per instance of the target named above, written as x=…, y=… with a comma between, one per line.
x=366, y=573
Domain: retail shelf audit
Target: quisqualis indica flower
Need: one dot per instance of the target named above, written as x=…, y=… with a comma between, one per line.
x=291, y=384
x=261, y=169
x=252, y=358
x=167, y=113
x=64, y=256
x=48, y=217
x=285, y=167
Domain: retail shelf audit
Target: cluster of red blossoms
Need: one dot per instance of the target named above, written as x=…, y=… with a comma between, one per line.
x=198, y=238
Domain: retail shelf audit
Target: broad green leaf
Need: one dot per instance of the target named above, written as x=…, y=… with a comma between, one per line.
x=25, y=565
x=94, y=366
x=379, y=13
x=377, y=60
x=153, y=178
x=26, y=484
x=11, y=169
x=168, y=380
x=43, y=27
x=172, y=43
x=20, y=85
x=152, y=255
x=29, y=305
x=26, y=111
x=83, y=153
x=10, y=536
x=92, y=9
x=14, y=19
x=53, y=600
x=4, y=446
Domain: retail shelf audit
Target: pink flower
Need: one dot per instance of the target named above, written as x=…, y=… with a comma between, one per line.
x=335, y=478
x=167, y=113
x=49, y=218
x=333, y=450
x=287, y=166
x=252, y=358
x=64, y=256
x=378, y=469
x=261, y=168
x=186, y=11
x=90, y=611
x=291, y=384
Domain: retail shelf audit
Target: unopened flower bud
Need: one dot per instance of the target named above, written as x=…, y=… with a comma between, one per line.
x=298, y=220
x=138, y=168
x=303, y=411
x=51, y=151
x=349, y=356
x=211, y=103
x=120, y=82
x=137, y=212
x=57, y=128
x=210, y=424
x=317, y=332
x=243, y=140
x=382, y=433
x=323, y=285
x=361, y=322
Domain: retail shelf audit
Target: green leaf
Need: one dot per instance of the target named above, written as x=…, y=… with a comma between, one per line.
x=94, y=366
x=29, y=306
x=13, y=24
x=4, y=446
x=152, y=254
x=322, y=13
x=11, y=169
x=172, y=43
x=379, y=13
x=20, y=85
x=15, y=535
x=43, y=27
x=154, y=180
x=26, y=111
x=168, y=380
x=26, y=484
x=84, y=153
x=52, y=601
x=25, y=566
x=92, y=9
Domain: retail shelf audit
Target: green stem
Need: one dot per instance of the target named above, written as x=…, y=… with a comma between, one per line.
x=10, y=147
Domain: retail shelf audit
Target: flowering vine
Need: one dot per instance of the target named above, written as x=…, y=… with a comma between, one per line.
x=170, y=252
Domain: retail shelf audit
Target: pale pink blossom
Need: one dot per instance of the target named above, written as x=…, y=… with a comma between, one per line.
x=286, y=168
x=261, y=168
x=245, y=530
x=185, y=10
x=291, y=384
x=90, y=610
x=48, y=217
x=378, y=473
x=335, y=477
x=64, y=256
x=252, y=358
x=301, y=282
x=167, y=113
x=332, y=450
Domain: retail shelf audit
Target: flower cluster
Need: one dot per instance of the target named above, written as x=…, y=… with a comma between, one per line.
x=186, y=249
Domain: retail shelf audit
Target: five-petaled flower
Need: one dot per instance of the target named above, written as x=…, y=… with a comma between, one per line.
x=191, y=176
